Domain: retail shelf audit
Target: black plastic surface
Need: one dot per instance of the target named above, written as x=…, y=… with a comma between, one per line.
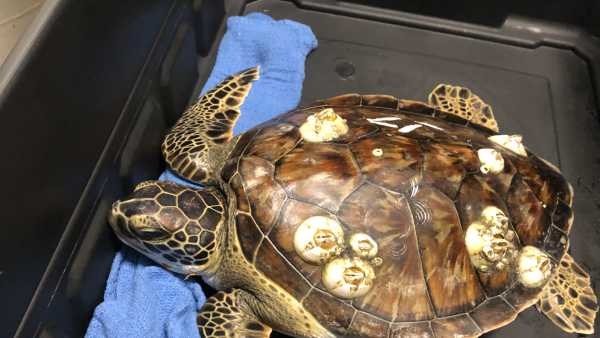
x=86, y=66
x=583, y=13
x=541, y=78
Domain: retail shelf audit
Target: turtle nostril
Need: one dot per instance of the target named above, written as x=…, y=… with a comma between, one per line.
x=115, y=208
x=119, y=223
x=113, y=218
x=113, y=215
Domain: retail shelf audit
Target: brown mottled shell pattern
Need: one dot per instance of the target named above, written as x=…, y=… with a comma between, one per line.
x=415, y=199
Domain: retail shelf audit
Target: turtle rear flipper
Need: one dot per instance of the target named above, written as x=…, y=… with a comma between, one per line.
x=461, y=102
x=569, y=300
x=205, y=127
x=227, y=315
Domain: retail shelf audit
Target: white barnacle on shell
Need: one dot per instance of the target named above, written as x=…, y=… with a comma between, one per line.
x=363, y=245
x=323, y=126
x=512, y=142
x=477, y=237
x=490, y=246
x=347, y=277
x=377, y=152
x=534, y=267
x=318, y=239
x=491, y=161
x=495, y=219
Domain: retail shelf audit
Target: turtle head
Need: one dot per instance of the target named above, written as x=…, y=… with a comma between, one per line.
x=178, y=227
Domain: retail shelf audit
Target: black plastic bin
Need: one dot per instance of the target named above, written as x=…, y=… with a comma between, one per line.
x=90, y=90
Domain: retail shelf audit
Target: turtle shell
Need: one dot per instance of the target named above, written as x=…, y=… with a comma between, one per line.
x=415, y=196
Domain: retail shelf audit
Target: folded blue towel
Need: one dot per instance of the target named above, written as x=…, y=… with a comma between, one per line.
x=144, y=300
x=141, y=298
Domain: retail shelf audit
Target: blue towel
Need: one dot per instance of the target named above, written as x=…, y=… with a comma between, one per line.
x=141, y=298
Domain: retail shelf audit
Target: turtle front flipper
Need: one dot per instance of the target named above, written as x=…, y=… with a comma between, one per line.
x=227, y=314
x=461, y=102
x=569, y=300
x=194, y=147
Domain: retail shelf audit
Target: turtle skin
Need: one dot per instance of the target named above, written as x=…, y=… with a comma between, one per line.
x=415, y=196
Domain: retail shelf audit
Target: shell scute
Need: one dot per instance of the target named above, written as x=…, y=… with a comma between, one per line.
x=329, y=167
x=272, y=264
x=417, y=329
x=450, y=326
x=544, y=180
x=557, y=243
x=400, y=161
x=530, y=217
x=357, y=128
x=364, y=325
x=341, y=100
x=402, y=292
x=274, y=141
x=493, y=313
x=297, y=117
x=264, y=194
x=331, y=310
x=562, y=217
x=446, y=165
x=241, y=197
x=521, y=297
x=446, y=262
x=243, y=141
x=380, y=101
x=248, y=235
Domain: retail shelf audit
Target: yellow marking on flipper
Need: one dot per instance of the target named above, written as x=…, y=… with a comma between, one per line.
x=568, y=300
x=461, y=102
x=206, y=125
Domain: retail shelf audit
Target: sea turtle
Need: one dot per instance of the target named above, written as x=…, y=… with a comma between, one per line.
x=360, y=216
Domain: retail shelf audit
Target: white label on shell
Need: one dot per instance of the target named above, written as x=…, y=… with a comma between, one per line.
x=380, y=122
x=431, y=126
x=409, y=128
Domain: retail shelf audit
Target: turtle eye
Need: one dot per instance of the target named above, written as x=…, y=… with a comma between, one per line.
x=146, y=228
x=150, y=234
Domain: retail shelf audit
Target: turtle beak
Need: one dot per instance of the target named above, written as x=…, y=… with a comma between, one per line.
x=117, y=221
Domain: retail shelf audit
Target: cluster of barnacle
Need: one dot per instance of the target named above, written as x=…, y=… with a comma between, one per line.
x=323, y=126
x=491, y=247
x=347, y=265
x=490, y=242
